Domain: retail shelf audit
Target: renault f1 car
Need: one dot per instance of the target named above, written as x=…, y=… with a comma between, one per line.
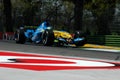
x=45, y=35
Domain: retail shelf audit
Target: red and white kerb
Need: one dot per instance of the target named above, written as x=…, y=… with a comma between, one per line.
x=42, y=62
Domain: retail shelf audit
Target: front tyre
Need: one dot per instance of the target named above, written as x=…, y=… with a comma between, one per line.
x=80, y=43
x=79, y=38
x=48, y=37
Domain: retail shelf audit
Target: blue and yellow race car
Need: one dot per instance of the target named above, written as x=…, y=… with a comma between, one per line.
x=45, y=35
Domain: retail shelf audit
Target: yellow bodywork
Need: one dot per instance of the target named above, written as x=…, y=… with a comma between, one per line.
x=62, y=34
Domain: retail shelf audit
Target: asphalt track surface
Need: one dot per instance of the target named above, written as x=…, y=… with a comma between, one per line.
x=72, y=74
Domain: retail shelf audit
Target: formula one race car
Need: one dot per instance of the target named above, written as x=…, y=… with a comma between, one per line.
x=45, y=35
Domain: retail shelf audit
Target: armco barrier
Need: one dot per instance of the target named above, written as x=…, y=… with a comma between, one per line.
x=112, y=40
x=108, y=40
x=97, y=39
x=8, y=36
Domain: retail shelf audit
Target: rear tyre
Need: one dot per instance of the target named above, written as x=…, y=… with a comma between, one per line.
x=48, y=38
x=20, y=37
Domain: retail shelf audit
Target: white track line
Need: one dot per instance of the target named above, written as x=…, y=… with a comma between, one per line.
x=107, y=50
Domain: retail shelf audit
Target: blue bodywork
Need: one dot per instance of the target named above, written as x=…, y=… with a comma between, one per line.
x=35, y=35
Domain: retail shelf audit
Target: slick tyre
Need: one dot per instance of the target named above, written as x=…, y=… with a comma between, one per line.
x=20, y=37
x=48, y=38
x=79, y=34
x=80, y=43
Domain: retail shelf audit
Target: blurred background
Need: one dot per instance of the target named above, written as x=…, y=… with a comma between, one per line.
x=98, y=19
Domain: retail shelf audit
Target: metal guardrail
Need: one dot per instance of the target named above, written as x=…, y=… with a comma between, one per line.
x=8, y=36
x=108, y=40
